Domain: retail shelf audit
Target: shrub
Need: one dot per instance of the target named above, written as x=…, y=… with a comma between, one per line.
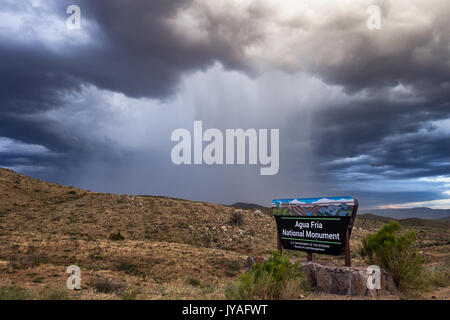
x=396, y=253
x=53, y=294
x=14, y=293
x=194, y=282
x=105, y=285
x=129, y=268
x=434, y=277
x=37, y=280
x=275, y=278
x=237, y=218
x=231, y=268
x=116, y=236
x=130, y=294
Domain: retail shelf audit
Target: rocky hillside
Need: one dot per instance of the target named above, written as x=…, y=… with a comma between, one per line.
x=165, y=247
x=29, y=206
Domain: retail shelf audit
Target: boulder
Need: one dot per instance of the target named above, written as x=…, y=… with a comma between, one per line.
x=346, y=280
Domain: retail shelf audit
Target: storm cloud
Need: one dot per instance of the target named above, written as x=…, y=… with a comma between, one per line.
x=360, y=112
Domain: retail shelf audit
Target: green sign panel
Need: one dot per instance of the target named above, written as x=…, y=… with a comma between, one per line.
x=317, y=225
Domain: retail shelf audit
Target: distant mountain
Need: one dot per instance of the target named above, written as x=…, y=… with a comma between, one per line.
x=249, y=206
x=422, y=213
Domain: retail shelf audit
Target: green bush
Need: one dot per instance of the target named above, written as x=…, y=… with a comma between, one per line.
x=435, y=277
x=53, y=294
x=275, y=278
x=130, y=294
x=14, y=293
x=396, y=253
x=130, y=269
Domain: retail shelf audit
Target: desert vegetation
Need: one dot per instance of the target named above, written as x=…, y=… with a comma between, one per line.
x=275, y=278
x=399, y=254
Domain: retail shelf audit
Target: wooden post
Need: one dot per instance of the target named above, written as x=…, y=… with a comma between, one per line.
x=280, y=248
x=309, y=256
x=348, y=262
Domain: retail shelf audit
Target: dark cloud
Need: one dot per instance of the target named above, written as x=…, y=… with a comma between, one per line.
x=133, y=49
x=392, y=84
x=383, y=138
x=139, y=49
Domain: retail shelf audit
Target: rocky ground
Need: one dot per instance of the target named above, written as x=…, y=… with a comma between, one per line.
x=145, y=247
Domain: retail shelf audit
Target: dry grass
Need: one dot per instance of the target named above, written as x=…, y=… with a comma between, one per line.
x=166, y=242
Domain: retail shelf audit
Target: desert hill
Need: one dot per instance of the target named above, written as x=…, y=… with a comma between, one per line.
x=146, y=246
x=29, y=205
x=178, y=248
x=251, y=206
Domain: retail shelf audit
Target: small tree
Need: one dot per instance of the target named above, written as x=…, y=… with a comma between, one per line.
x=396, y=253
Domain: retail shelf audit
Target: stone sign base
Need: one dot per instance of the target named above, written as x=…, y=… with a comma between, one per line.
x=346, y=280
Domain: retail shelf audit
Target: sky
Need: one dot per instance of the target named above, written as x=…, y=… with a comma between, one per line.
x=361, y=112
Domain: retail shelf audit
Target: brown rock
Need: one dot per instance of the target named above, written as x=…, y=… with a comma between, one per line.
x=323, y=280
x=358, y=284
x=346, y=280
